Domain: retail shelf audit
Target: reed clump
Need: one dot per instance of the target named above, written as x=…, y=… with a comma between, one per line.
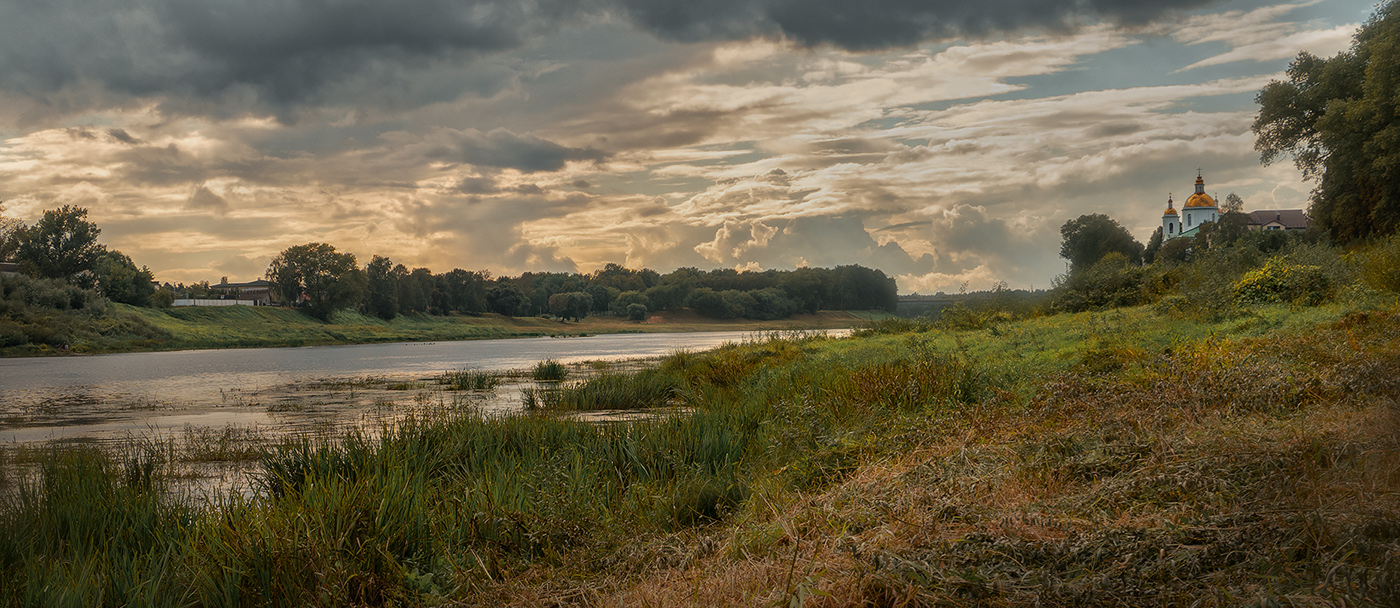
x=469, y=380
x=549, y=370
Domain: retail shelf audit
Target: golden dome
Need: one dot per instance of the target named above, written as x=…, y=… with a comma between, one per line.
x=1169, y=210
x=1200, y=199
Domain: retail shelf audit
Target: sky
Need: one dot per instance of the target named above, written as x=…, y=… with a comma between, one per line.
x=942, y=141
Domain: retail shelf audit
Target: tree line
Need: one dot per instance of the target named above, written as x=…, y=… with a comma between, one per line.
x=320, y=280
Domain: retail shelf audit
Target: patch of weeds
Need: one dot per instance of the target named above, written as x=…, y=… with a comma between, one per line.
x=469, y=380
x=549, y=370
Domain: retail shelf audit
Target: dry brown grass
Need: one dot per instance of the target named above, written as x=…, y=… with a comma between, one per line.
x=1249, y=471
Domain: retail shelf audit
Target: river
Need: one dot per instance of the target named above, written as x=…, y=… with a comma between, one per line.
x=121, y=396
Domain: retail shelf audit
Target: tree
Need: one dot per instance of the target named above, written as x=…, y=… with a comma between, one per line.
x=1233, y=204
x=505, y=299
x=120, y=280
x=381, y=288
x=317, y=277
x=1088, y=238
x=1154, y=243
x=571, y=305
x=10, y=231
x=1339, y=119
x=60, y=245
x=623, y=302
x=1227, y=230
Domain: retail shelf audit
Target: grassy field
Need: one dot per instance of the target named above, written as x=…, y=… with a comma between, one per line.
x=251, y=327
x=1125, y=457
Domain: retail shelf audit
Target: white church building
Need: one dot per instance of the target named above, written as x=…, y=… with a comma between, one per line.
x=1199, y=209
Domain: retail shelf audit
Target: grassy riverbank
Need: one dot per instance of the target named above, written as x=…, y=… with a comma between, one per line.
x=143, y=329
x=1125, y=457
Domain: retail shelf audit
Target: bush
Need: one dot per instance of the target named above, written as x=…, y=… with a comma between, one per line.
x=1279, y=281
x=1379, y=266
x=162, y=298
x=1111, y=282
x=636, y=312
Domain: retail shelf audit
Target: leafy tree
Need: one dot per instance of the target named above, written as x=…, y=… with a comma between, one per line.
x=60, y=245
x=1176, y=251
x=622, y=304
x=636, y=312
x=317, y=277
x=1233, y=204
x=771, y=303
x=619, y=278
x=10, y=231
x=603, y=296
x=1339, y=119
x=1154, y=243
x=505, y=299
x=381, y=288
x=571, y=305
x=1227, y=230
x=1088, y=238
x=463, y=290
x=120, y=280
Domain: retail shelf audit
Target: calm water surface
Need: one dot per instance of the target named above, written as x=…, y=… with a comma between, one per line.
x=107, y=397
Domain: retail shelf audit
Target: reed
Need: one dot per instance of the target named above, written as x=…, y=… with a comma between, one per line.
x=549, y=370
x=469, y=380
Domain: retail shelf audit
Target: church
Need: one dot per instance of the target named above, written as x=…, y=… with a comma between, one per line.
x=1199, y=209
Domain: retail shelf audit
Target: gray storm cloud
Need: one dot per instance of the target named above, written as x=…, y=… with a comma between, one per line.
x=288, y=52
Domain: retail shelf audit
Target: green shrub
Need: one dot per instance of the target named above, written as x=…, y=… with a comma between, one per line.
x=1279, y=281
x=1111, y=282
x=1379, y=266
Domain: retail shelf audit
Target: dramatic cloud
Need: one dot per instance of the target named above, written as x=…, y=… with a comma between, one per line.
x=944, y=142
x=879, y=24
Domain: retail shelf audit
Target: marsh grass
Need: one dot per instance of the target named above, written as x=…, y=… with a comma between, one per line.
x=549, y=370
x=648, y=388
x=469, y=380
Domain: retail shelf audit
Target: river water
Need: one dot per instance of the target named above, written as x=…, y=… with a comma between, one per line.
x=121, y=396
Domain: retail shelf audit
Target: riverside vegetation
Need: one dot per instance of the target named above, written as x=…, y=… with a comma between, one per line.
x=1171, y=453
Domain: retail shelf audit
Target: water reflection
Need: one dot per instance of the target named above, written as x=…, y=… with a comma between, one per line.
x=288, y=390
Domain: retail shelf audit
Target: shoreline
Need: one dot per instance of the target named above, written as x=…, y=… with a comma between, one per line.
x=223, y=328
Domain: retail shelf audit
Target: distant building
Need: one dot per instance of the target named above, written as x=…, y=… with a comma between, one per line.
x=1201, y=209
x=9, y=268
x=259, y=291
x=1279, y=219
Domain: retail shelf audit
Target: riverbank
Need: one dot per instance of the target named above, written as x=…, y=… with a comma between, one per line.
x=134, y=329
x=1126, y=457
